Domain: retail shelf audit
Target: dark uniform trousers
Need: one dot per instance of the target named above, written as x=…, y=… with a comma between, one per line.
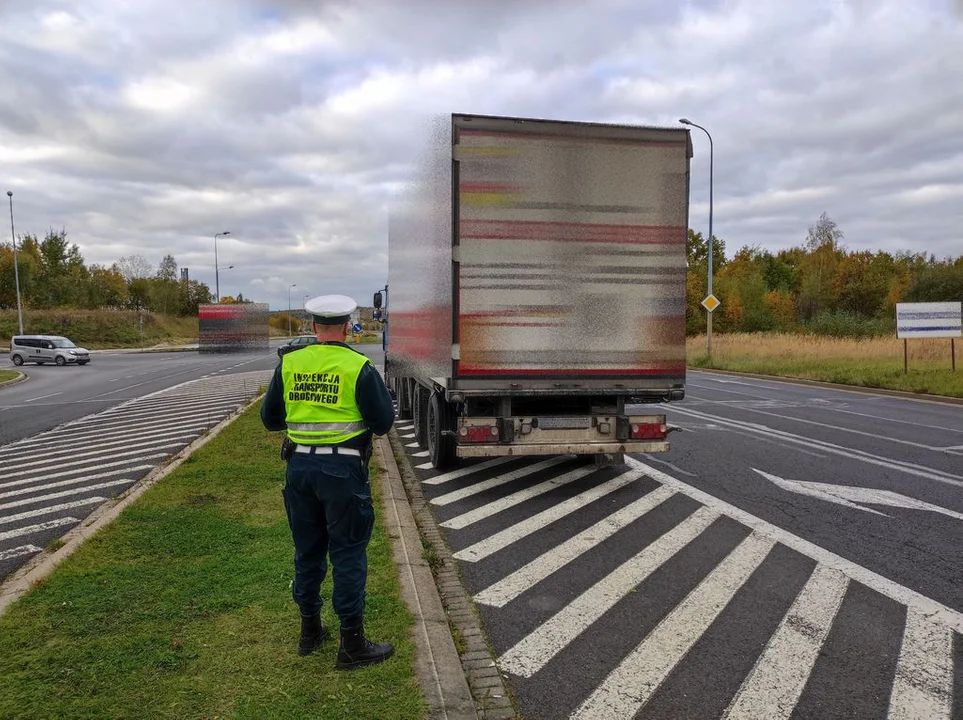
x=328, y=503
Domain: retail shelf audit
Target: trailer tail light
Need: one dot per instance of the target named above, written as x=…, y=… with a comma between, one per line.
x=647, y=431
x=478, y=433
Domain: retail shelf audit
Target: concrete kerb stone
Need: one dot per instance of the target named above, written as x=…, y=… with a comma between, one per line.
x=491, y=701
x=21, y=377
x=38, y=567
x=436, y=660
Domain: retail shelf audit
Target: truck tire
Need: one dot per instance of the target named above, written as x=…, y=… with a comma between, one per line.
x=441, y=447
x=419, y=406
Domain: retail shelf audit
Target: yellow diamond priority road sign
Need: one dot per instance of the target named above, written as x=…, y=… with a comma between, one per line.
x=711, y=303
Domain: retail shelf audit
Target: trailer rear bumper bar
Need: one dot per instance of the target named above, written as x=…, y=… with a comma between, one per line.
x=468, y=451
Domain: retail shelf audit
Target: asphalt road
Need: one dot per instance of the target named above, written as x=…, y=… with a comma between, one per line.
x=73, y=437
x=55, y=395
x=798, y=552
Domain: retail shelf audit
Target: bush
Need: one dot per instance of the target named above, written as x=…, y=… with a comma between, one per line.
x=840, y=323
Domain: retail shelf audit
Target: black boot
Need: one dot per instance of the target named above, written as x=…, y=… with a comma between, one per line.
x=313, y=633
x=357, y=651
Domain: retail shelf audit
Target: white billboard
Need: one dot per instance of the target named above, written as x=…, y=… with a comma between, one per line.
x=929, y=320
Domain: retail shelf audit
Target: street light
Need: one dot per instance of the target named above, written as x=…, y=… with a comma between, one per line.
x=710, y=245
x=289, y=307
x=217, y=282
x=16, y=270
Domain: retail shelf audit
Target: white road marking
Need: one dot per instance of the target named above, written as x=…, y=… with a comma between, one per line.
x=6, y=520
x=74, y=481
x=890, y=589
x=61, y=440
x=423, y=453
x=639, y=675
x=65, y=493
x=485, y=485
x=532, y=653
x=764, y=430
x=40, y=527
x=497, y=506
x=510, y=587
x=106, y=449
x=500, y=540
x=856, y=497
x=41, y=397
x=412, y=445
x=462, y=472
x=153, y=415
x=18, y=552
x=32, y=482
x=923, y=689
x=50, y=451
x=408, y=436
x=93, y=457
x=773, y=687
x=425, y=466
x=840, y=428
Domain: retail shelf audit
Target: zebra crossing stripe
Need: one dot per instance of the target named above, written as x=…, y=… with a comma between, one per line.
x=480, y=487
x=462, y=472
x=533, y=652
x=412, y=445
x=628, y=688
x=924, y=673
x=408, y=436
x=901, y=594
x=508, y=588
x=63, y=493
x=74, y=481
x=40, y=527
x=500, y=540
x=33, y=481
x=509, y=501
x=18, y=551
x=99, y=451
x=7, y=519
x=773, y=687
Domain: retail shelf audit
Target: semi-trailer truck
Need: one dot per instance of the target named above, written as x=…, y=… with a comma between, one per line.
x=536, y=288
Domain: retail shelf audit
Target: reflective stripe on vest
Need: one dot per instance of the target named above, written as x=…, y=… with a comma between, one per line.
x=319, y=394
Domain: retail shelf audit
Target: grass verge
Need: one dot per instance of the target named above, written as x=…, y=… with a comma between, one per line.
x=870, y=362
x=7, y=375
x=182, y=608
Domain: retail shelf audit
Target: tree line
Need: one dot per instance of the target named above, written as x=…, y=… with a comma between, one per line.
x=53, y=274
x=819, y=286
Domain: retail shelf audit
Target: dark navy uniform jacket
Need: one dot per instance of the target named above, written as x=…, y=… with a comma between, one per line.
x=372, y=397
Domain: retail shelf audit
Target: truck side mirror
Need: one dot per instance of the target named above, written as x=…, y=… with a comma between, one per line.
x=378, y=300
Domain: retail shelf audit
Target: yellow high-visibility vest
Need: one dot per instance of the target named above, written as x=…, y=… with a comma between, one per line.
x=319, y=394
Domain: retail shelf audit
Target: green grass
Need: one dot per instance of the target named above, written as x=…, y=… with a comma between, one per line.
x=102, y=329
x=6, y=375
x=871, y=362
x=181, y=608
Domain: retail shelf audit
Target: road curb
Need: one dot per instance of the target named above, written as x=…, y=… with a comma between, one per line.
x=21, y=377
x=905, y=394
x=476, y=661
x=436, y=661
x=40, y=566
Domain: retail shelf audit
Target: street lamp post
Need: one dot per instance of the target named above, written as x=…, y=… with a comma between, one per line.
x=710, y=244
x=217, y=281
x=289, y=307
x=16, y=269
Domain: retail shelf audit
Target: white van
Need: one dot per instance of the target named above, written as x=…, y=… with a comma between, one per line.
x=46, y=348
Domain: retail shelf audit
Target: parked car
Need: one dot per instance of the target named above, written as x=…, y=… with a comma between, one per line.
x=298, y=342
x=42, y=349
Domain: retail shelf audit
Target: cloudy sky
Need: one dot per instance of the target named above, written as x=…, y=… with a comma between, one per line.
x=147, y=126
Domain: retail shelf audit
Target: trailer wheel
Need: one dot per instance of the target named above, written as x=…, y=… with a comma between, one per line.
x=441, y=447
x=419, y=405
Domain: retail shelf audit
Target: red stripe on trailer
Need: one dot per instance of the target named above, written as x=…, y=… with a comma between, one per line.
x=571, y=232
x=580, y=372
